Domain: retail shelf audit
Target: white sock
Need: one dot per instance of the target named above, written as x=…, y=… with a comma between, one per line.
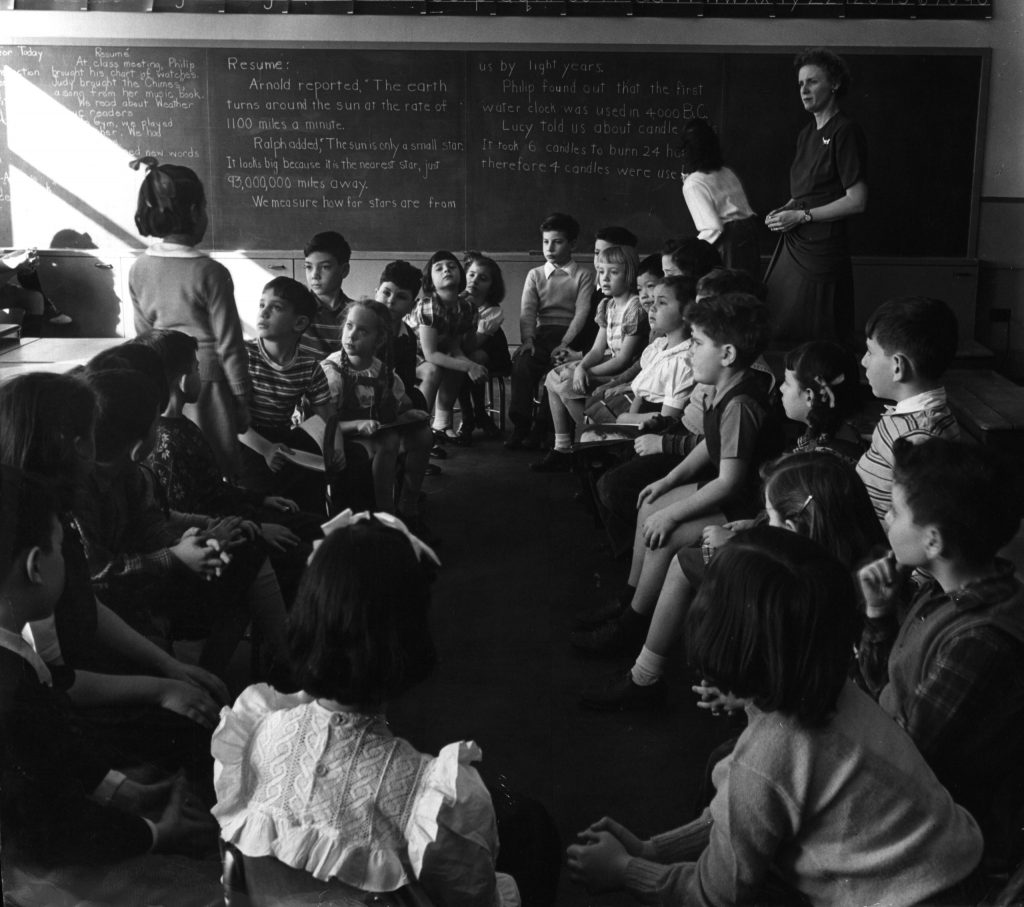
x=648, y=668
x=442, y=419
x=563, y=443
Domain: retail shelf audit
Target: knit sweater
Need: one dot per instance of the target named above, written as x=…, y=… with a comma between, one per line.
x=848, y=814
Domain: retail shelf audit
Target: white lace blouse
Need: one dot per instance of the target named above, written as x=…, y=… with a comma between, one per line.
x=334, y=793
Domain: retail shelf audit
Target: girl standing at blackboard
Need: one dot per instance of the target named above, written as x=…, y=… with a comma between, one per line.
x=174, y=286
x=717, y=201
x=447, y=322
x=810, y=277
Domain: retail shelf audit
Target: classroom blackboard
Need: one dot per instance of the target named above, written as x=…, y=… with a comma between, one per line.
x=422, y=149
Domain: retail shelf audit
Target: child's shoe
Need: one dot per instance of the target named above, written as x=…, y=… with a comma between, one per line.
x=620, y=693
x=486, y=424
x=464, y=436
x=519, y=434
x=554, y=461
x=625, y=633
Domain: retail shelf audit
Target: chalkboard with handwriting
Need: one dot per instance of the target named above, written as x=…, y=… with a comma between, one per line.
x=422, y=149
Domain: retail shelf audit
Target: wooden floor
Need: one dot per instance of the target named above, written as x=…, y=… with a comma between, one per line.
x=520, y=558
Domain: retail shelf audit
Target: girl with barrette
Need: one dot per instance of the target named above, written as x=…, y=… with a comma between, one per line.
x=318, y=782
x=174, y=286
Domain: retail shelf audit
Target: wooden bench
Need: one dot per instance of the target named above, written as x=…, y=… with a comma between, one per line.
x=988, y=406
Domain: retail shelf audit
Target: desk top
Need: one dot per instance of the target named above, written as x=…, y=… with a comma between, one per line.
x=70, y=350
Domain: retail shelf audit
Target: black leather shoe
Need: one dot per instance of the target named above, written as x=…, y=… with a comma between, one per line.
x=625, y=633
x=554, y=461
x=620, y=694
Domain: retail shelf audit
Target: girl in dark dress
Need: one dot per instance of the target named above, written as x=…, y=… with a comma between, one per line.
x=810, y=277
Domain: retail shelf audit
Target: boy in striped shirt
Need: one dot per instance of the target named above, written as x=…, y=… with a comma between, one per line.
x=282, y=377
x=911, y=341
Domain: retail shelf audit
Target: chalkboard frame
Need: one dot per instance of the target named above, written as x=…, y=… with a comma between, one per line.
x=982, y=54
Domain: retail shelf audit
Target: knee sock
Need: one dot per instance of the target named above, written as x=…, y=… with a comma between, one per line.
x=648, y=669
x=563, y=443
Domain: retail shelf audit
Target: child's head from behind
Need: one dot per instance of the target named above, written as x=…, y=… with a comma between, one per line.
x=701, y=150
x=719, y=281
x=171, y=201
x=127, y=406
x=729, y=332
x=668, y=307
x=689, y=256
x=821, y=387
x=559, y=233
x=287, y=308
x=47, y=427
x=443, y=273
x=910, y=339
x=616, y=270
x=398, y=287
x=774, y=622
x=484, y=279
x=818, y=495
x=326, y=257
x=950, y=500
x=179, y=353
x=358, y=632
x=31, y=557
x=614, y=235
x=366, y=329
x=137, y=357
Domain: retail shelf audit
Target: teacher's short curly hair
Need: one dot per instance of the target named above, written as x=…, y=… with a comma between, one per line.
x=833, y=64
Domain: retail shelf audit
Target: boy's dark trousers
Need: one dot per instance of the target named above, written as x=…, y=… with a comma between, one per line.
x=526, y=374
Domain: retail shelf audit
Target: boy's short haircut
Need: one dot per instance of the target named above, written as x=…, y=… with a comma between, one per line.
x=565, y=224
x=625, y=256
x=682, y=286
x=176, y=349
x=922, y=329
x=972, y=494
x=692, y=255
x=297, y=295
x=730, y=280
x=617, y=236
x=738, y=319
x=403, y=275
x=650, y=265
x=331, y=242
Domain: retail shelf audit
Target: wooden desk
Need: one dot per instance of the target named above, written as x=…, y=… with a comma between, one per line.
x=72, y=350
x=51, y=354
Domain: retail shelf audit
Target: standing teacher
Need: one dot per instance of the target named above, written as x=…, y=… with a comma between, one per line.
x=810, y=277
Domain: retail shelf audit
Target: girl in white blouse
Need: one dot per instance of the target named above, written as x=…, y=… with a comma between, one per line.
x=317, y=780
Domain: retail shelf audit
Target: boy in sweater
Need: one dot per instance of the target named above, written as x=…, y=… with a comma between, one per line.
x=950, y=670
x=556, y=301
x=910, y=343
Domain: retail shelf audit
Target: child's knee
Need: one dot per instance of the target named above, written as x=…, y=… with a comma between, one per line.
x=427, y=371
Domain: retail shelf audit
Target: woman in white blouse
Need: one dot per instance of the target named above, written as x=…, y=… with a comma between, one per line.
x=716, y=200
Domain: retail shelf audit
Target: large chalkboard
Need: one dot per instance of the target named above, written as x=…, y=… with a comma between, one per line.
x=422, y=149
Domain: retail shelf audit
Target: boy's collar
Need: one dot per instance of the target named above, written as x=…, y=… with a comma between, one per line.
x=286, y=359
x=550, y=267
x=929, y=399
x=23, y=649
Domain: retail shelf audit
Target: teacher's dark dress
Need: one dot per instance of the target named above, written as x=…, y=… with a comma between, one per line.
x=810, y=277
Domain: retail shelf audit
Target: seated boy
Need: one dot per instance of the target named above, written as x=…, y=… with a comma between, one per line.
x=911, y=341
x=718, y=479
x=283, y=376
x=656, y=454
x=555, y=305
x=327, y=265
x=187, y=471
x=951, y=669
x=62, y=797
x=397, y=288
